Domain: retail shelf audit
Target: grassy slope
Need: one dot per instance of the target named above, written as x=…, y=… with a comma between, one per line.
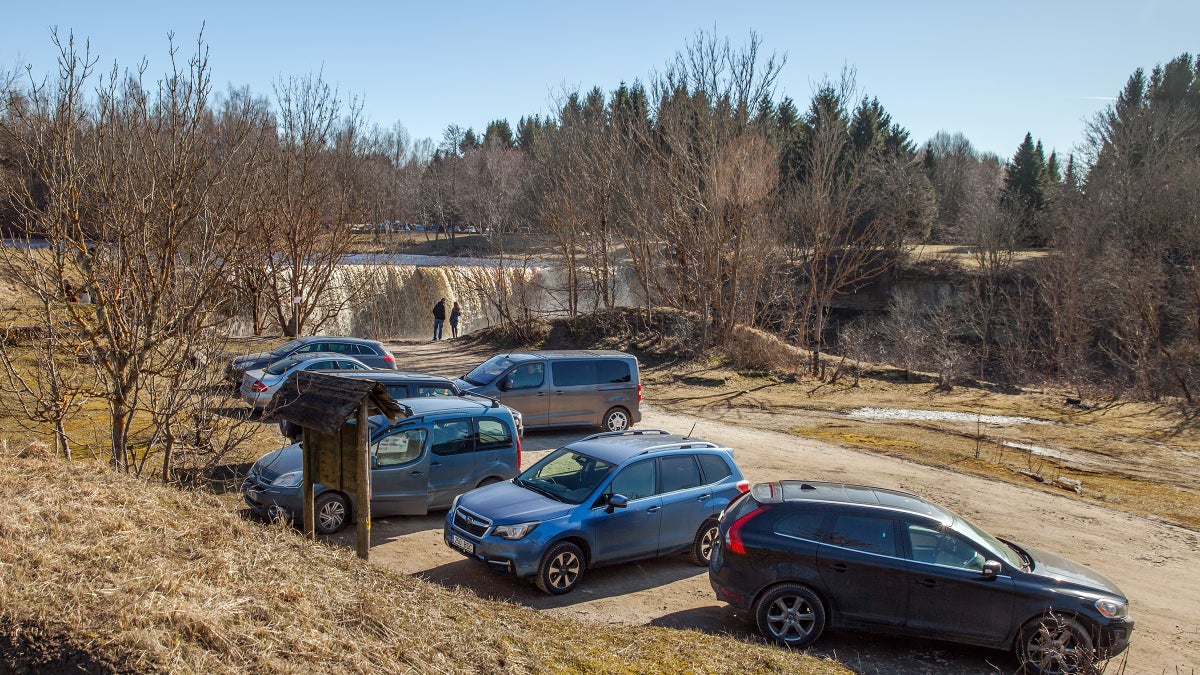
x=108, y=573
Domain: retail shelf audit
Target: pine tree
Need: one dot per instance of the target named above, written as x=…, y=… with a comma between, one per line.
x=1025, y=189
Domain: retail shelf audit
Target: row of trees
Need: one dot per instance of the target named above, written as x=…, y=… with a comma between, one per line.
x=175, y=210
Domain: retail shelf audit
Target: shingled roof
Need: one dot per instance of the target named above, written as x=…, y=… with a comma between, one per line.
x=324, y=402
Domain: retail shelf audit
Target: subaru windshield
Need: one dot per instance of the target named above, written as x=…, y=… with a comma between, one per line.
x=566, y=476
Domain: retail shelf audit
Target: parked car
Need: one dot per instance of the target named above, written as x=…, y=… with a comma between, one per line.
x=400, y=385
x=803, y=555
x=259, y=386
x=370, y=352
x=608, y=498
x=563, y=388
x=445, y=447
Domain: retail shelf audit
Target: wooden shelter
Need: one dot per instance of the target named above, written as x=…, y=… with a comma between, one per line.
x=336, y=453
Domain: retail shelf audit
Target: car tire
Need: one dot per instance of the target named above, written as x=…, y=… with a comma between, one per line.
x=792, y=616
x=561, y=568
x=616, y=419
x=702, y=545
x=331, y=513
x=1055, y=645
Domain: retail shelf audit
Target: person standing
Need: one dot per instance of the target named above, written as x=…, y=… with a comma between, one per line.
x=455, y=312
x=439, y=318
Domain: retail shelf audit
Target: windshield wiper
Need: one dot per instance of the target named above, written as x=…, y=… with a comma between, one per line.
x=1026, y=559
x=539, y=490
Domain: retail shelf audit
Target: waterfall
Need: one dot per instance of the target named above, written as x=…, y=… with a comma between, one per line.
x=394, y=300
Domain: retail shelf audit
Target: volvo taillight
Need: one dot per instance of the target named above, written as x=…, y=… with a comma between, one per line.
x=733, y=538
x=258, y=387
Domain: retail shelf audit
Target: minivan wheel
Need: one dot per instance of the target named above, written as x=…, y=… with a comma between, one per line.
x=1055, y=645
x=561, y=568
x=332, y=511
x=792, y=616
x=616, y=419
x=702, y=545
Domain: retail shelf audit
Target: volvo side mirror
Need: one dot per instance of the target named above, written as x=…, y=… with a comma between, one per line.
x=991, y=568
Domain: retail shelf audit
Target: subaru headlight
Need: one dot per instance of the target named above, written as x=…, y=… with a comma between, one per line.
x=290, y=479
x=1113, y=609
x=517, y=531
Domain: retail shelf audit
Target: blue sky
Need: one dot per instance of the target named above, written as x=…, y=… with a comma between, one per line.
x=992, y=71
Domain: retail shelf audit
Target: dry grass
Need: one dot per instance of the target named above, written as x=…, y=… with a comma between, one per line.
x=1138, y=457
x=104, y=572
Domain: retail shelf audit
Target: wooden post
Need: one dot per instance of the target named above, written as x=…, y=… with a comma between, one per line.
x=364, y=483
x=309, y=470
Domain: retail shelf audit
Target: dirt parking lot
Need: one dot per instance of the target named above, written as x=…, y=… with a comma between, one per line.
x=1155, y=564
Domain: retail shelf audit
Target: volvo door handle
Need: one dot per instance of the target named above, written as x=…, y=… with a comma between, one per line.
x=415, y=474
x=838, y=567
x=653, y=509
x=928, y=583
x=703, y=497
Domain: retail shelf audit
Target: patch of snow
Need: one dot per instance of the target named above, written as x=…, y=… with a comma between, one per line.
x=939, y=416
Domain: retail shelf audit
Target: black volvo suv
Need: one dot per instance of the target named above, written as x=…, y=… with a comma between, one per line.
x=801, y=555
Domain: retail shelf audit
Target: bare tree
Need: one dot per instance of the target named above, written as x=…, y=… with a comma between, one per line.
x=143, y=213
x=309, y=202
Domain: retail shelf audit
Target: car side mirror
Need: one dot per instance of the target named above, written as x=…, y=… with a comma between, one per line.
x=616, y=502
x=504, y=385
x=374, y=462
x=991, y=568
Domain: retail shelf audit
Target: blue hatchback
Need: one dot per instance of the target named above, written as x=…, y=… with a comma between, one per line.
x=607, y=498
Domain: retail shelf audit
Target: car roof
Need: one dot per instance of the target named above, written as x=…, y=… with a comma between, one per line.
x=396, y=376
x=617, y=446
x=434, y=405
x=337, y=338
x=847, y=493
x=308, y=356
x=575, y=353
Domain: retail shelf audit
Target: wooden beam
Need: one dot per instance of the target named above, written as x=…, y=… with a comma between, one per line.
x=364, y=483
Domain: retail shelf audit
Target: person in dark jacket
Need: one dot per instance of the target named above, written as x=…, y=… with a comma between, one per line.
x=439, y=318
x=455, y=313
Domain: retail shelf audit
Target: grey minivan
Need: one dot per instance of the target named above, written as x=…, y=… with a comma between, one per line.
x=443, y=448
x=563, y=388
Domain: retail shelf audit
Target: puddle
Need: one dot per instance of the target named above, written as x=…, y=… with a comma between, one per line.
x=939, y=416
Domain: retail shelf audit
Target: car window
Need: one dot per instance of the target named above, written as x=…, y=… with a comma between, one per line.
x=312, y=347
x=715, y=468
x=679, y=472
x=400, y=448
x=397, y=391
x=934, y=546
x=431, y=390
x=452, y=437
x=281, y=367
x=528, y=376
x=635, y=481
x=338, y=347
x=321, y=365
x=865, y=533
x=573, y=373
x=613, y=371
x=803, y=525
x=343, y=364
x=493, y=434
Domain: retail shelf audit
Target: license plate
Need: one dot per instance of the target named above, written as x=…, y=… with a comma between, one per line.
x=462, y=544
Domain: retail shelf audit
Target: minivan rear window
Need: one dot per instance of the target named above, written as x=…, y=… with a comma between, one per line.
x=573, y=373
x=613, y=371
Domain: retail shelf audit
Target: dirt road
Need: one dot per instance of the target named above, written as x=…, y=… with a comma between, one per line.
x=1155, y=564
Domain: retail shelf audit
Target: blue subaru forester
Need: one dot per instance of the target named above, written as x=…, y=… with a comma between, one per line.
x=607, y=498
